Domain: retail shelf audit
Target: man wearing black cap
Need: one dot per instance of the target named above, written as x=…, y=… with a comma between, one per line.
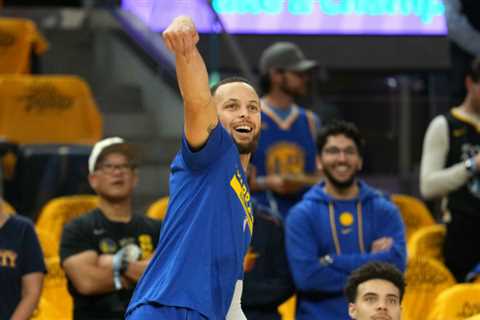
x=284, y=161
x=104, y=252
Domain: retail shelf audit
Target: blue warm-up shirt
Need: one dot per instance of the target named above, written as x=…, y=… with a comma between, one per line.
x=206, y=232
x=320, y=225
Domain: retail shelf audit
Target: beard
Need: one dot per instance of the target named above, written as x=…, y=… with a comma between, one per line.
x=341, y=185
x=250, y=147
x=293, y=92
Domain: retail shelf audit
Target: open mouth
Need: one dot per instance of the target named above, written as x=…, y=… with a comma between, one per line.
x=243, y=129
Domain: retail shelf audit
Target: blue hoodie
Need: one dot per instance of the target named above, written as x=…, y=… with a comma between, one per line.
x=320, y=225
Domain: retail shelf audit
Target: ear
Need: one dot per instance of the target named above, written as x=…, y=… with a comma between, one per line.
x=319, y=163
x=135, y=178
x=360, y=164
x=352, y=310
x=93, y=180
x=468, y=83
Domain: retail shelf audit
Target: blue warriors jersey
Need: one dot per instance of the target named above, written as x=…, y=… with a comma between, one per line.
x=206, y=232
x=286, y=146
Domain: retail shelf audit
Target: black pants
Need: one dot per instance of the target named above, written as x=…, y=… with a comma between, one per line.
x=461, y=250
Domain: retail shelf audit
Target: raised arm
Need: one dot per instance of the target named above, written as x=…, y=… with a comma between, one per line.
x=200, y=117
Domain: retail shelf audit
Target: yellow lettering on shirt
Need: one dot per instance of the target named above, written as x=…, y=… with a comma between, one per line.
x=8, y=258
x=243, y=195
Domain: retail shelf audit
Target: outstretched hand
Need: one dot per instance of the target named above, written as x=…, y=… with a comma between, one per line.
x=181, y=36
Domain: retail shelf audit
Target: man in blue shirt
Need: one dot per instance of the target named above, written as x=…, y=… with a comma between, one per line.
x=284, y=161
x=197, y=270
x=340, y=224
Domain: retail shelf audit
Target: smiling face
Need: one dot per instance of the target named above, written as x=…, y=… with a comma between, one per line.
x=376, y=299
x=238, y=109
x=340, y=161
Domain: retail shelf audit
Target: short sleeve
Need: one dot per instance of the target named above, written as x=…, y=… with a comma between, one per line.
x=32, y=255
x=75, y=238
x=217, y=144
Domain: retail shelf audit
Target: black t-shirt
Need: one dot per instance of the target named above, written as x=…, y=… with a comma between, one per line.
x=464, y=143
x=93, y=231
x=20, y=254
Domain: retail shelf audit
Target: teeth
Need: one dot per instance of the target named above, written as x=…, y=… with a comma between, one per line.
x=247, y=128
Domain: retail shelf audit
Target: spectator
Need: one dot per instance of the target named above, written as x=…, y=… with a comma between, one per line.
x=284, y=161
x=105, y=251
x=463, y=24
x=21, y=267
x=375, y=291
x=450, y=168
x=268, y=282
x=340, y=224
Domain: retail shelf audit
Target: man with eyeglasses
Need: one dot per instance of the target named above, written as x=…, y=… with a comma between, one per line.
x=104, y=252
x=283, y=165
x=341, y=224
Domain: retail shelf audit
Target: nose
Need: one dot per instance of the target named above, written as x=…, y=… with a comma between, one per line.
x=382, y=305
x=243, y=112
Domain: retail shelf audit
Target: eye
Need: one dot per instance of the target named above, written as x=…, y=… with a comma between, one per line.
x=253, y=108
x=230, y=106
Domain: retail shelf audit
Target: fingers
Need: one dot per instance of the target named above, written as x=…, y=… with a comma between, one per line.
x=382, y=244
x=181, y=36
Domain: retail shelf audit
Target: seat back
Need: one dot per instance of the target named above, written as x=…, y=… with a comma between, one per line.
x=48, y=109
x=58, y=212
x=425, y=278
x=414, y=213
x=158, y=209
x=18, y=38
x=7, y=208
x=427, y=242
x=457, y=303
x=55, y=301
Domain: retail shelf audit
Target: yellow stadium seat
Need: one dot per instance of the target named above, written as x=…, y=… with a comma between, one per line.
x=58, y=212
x=425, y=279
x=414, y=213
x=457, y=303
x=475, y=317
x=7, y=208
x=18, y=38
x=48, y=243
x=288, y=308
x=158, y=209
x=48, y=109
x=427, y=242
x=55, y=301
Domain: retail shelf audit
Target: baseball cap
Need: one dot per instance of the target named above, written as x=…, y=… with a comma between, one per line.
x=285, y=55
x=106, y=146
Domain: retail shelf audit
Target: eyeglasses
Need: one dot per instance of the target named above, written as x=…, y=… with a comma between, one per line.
x=334, y=151
x=110, y=168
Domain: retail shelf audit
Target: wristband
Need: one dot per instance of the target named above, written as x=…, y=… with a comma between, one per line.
x=471, y=166
x=117, y=281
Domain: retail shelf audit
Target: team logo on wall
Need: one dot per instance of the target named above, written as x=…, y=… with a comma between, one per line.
x=43, y=96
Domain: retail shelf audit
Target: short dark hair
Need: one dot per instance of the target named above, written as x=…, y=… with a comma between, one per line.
x=371, y=271
x=337, y=127
x=213, y=88
x=474, y=70
x=265, y=84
